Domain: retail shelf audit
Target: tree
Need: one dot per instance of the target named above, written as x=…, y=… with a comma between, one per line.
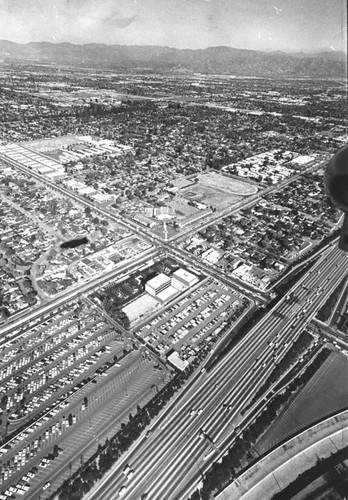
x=64, y=494
x=3, y=403
x=85, y=488
x=10, y=251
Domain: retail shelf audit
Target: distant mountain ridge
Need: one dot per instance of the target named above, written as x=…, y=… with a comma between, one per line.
x=212, y=60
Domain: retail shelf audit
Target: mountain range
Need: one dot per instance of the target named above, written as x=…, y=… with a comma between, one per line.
x=212, y=60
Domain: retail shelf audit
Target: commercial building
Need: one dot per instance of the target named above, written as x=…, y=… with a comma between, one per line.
x=157, y=284
x=175, y=360
x=183, y=278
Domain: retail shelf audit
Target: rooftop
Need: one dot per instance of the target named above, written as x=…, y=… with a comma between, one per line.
x=186, y=275
x=158, y=280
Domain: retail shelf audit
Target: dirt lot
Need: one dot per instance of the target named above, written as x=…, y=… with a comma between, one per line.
x=211, y=197
x=44, y=145
x=218, y=191
x=226, y=184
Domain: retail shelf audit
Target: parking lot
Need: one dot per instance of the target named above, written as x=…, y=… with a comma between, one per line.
x=41, y=368
x=193, y=321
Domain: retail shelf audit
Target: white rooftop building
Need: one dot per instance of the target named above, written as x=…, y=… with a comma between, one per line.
x=158, y=284
x=175, y=359
x=183, y=277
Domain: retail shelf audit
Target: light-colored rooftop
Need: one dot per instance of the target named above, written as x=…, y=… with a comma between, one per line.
x=185, y=275
x=158, y=280
x=175, y=359
x=167, y=294
x=140, y=307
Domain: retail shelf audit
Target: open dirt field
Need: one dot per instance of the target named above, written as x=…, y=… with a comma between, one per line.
x=42, y=145
x=210, y=196
x=226, y=184
x=218, y=191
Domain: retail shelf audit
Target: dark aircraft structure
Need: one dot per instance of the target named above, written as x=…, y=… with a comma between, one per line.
x=336, y=184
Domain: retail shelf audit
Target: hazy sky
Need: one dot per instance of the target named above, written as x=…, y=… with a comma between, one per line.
x=288, y=25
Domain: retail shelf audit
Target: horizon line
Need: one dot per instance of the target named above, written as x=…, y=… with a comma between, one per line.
x=302, y=51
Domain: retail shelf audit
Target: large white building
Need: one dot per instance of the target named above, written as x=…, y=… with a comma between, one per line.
x=157, y=284
x=165, y=287
x=182, y=278
x=175, y=359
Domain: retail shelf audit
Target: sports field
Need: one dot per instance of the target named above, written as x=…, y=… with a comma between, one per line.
x=226, y=184
x=216, y=190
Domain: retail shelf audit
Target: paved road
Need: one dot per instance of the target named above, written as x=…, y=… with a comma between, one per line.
x=332, y=334
x=129, y=224
x=114, y=398
x=168, y=464
x=59, y=302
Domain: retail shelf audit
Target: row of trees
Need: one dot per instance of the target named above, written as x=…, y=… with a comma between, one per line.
x=250, y=319
x=115, y=311
x=301, y=344
x=329, y=306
